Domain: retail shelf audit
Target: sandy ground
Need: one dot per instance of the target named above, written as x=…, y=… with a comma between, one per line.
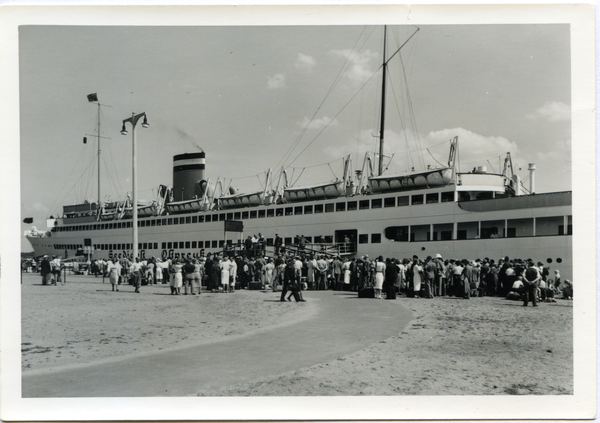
x=482, y=346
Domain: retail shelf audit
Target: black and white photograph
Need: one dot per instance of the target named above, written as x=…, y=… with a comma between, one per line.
x=298, y=213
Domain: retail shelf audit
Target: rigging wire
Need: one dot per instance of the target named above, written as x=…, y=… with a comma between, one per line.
x=337, y=79
x=329, y=165
x=405, y=132
x=360, y=114
x=294, y=182
x=336, y=115
x=433, y=157
x=74, y=186
x=411, y=109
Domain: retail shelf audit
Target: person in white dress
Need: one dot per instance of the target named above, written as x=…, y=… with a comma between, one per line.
x=269, y=268
x=114, y=271
x=346, y=271
x=225, y=266
x=417, y=271
x=176, y=277
x=379, y=272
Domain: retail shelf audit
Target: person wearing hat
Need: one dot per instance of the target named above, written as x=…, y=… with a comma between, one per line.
x=46, y=271
x=429, y=272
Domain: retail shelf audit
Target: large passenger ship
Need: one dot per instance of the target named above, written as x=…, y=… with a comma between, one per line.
x=439, y=210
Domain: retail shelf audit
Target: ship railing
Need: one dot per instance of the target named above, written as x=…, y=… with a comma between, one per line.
x=346, y=248
x=310, y=249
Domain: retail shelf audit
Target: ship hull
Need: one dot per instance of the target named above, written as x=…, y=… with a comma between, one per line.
x=536, y=227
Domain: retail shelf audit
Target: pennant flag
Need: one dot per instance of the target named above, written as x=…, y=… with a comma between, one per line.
x=92, y=97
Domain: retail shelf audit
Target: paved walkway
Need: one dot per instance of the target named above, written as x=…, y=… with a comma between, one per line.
x=343, y=324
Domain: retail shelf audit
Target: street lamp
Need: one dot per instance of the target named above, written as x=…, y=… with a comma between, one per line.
x=133, y=120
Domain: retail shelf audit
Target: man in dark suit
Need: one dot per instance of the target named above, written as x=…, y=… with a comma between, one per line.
x=278, y=244
x=291, y=282
x=46, y=271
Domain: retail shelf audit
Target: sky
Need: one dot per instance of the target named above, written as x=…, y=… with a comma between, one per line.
x=303, y=97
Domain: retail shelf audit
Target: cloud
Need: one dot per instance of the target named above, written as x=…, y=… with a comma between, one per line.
x=305, y=62
x=476, y=149
x=552, y=111
x=359, y=70
x=557, y=155
x=317, y=123
x=276, y=81
x=406, y=150
x=39, y=207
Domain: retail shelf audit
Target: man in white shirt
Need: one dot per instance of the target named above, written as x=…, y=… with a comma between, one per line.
x=136, y=271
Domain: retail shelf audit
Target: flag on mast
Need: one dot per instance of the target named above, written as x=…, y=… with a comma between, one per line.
x=92, y=97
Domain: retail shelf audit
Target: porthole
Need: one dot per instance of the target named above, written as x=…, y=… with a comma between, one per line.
x=559, y=260
x=549, y=260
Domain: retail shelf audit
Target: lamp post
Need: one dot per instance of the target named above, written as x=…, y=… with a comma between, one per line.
x=133, y=120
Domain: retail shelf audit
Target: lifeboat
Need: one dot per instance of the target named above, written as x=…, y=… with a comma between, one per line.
x=187, y=206
x=144, y=210
x=314, y=192
x=432, y=178
x=243, y=200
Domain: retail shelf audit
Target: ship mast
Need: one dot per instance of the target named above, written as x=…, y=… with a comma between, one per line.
x=382, y=122
x=93, y=98
x=384, y=76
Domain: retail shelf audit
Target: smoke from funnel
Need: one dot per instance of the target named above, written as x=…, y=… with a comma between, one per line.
x=184, y=135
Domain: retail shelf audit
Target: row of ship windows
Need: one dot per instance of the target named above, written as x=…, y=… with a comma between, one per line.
x=376, y=203
x=363, y=239
x=465, y=230
x=394, y=233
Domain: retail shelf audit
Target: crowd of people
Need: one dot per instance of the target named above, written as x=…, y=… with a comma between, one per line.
x=298, y=270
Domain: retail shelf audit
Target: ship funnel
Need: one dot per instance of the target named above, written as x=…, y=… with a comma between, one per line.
x=189, y=181
x=531, y=177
